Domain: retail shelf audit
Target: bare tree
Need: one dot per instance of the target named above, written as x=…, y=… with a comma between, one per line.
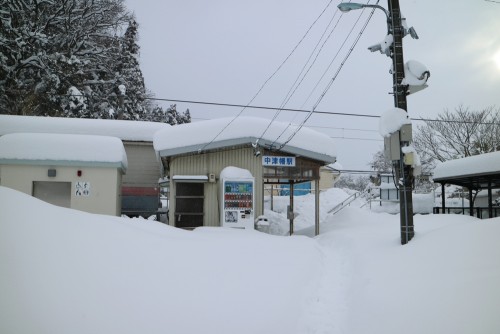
x=380, y=163
x=458, y=134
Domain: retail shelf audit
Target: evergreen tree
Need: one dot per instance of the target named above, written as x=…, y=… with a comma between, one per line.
x=129, y=75
x=50, y=50
x=170, y=116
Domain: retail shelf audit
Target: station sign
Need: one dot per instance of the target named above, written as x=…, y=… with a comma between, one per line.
x=277, y=161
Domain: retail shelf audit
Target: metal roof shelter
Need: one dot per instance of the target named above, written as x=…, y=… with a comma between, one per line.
x=479, y=172
x=206, y=147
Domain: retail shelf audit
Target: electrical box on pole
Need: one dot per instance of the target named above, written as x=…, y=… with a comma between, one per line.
x=392, y=147
x=392, y=144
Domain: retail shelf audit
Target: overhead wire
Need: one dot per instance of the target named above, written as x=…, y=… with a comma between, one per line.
x=331, y=81
x=268, y=79
x=220, y=104
x=324, y=73
x=334, y=58
x=295, y=86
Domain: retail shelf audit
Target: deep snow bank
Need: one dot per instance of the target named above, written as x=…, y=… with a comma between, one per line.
x=65, y=271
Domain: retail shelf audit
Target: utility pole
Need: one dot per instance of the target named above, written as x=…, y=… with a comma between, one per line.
x=404, y=173
x=402, y=167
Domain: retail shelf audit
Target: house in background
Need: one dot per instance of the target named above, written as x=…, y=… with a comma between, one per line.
x=329, y=175
x=139, y=189
x=388, y=190
x=65, y=170
x=481, y=199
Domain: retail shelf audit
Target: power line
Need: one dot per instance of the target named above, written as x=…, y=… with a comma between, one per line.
x=335, y=128
x=295, y=86
x=220, y=104
x=355, y=138
x=270, y=77
x=331, y=81
x=356, y=171
x=335, y=57
x=312, y=126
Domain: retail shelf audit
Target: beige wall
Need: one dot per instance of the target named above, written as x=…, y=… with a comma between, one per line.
x=105, y=183
x=327, y=179
x=204, y=164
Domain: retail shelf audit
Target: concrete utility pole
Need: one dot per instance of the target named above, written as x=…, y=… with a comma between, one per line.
x=403, y=169
x=404, y=173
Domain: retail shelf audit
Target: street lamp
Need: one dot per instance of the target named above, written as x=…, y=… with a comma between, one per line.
x=345, y=7
x=404, y=173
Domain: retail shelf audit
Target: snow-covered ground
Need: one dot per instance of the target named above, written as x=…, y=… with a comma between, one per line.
x=65, y=271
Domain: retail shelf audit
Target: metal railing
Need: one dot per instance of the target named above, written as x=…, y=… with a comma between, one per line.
x=344, y=203
x=479, y=212
x=380, y=201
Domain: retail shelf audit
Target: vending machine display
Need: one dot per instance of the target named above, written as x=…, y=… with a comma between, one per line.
x=237, y=203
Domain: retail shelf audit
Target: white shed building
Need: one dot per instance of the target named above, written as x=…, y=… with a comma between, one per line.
x=65, y=170
x=140, y=190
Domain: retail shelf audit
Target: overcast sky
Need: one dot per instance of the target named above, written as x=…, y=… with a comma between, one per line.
x=224, y=50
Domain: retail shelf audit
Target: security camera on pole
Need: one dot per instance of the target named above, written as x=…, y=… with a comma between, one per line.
x=407, y=78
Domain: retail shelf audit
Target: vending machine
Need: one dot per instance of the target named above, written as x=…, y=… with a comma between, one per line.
x=237, y=203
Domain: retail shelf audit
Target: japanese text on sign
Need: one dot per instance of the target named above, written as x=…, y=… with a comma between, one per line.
x=82, y=188
x=270, y=160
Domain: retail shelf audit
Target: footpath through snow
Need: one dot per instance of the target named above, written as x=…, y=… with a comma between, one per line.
x=444, y=281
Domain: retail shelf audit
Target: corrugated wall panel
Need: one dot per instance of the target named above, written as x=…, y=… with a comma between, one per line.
x=143, y=166
x=204, y=164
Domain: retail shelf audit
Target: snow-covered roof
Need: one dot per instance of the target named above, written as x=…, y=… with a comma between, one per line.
x=335, y=167
x=62, y=150
x=488, y=163
x=475, y=173
x=125, y=130
x=219, y=133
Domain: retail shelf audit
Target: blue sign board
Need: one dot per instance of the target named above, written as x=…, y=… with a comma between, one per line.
x=275, y=161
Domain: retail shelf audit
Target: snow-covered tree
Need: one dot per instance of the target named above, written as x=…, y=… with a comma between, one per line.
x=358, y=182
x=51, y=49
x=380, y=163
x=170, y=116
x=129, y=75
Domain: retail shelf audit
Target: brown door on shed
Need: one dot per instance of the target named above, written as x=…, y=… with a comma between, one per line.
x=189, y=199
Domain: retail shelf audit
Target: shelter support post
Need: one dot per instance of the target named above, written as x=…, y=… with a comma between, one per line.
x=316, y=207
x=272, y=197
x=443, y=197
x=290, y=211
x=490, y=201
x=471, y=204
